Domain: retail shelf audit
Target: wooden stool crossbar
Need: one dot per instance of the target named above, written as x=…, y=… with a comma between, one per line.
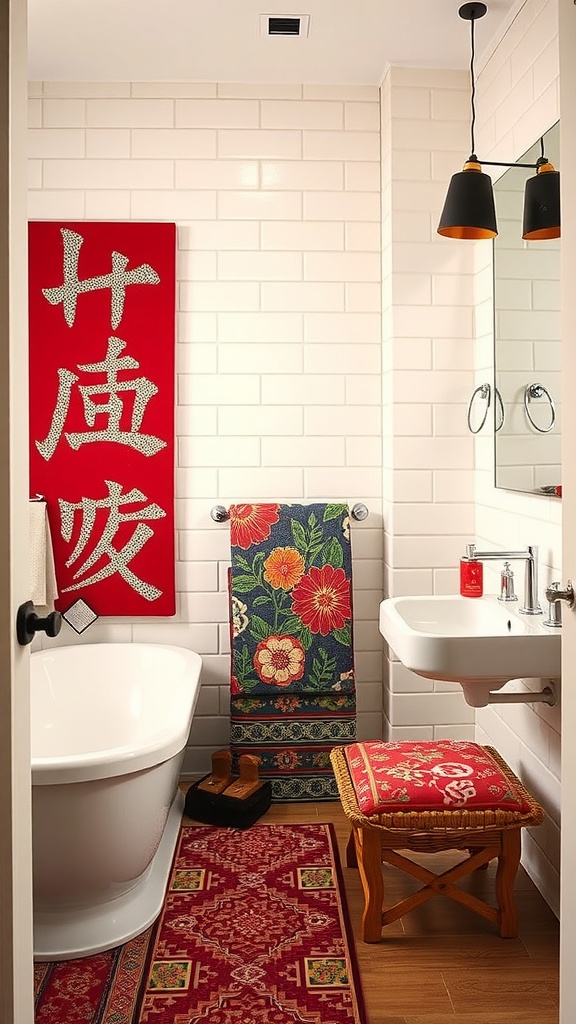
x=379, y=837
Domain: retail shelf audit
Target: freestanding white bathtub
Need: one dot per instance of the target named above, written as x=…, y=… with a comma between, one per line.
x=109, y=724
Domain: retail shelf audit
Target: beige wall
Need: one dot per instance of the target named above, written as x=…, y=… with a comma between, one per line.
x=16, y=968
x=567, y=36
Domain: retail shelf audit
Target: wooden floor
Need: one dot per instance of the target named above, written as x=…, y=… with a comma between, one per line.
x=443, y=964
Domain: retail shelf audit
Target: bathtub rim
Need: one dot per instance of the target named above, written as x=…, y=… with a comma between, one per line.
x=120, y=760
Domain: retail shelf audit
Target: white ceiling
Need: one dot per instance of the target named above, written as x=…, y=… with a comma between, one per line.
x=350, y=41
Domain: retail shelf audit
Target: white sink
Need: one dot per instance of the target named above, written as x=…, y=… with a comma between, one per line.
x=479, y=642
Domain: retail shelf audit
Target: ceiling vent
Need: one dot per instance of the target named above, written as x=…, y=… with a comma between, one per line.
x=284, y=25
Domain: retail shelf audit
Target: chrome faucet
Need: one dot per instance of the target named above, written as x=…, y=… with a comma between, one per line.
x=507, y=592
x=530, y=557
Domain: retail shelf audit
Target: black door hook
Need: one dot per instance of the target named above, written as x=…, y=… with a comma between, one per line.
x=28, y=623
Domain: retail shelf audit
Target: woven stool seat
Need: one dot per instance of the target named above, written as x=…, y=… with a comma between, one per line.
x=462, y=796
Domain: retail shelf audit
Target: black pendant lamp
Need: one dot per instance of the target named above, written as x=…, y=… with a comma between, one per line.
x=469, y=206
x=542, y=202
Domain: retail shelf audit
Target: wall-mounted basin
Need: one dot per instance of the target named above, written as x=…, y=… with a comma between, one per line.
x=480, y=643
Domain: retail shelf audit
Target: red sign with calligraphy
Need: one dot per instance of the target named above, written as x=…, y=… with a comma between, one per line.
x=102, y=338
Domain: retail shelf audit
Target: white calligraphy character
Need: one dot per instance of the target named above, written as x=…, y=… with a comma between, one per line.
x=143, y=389
x=117, y=559
x=117, y=280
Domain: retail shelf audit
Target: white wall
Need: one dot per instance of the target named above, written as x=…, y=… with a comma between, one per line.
x=428, y=349
x=517, y=100
x=276, y=194
x=425, y=128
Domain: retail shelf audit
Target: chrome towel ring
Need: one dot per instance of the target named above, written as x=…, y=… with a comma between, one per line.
x=539, y=391
x=484, y=390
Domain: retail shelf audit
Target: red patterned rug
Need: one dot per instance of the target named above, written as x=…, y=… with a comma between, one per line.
x=254, y=929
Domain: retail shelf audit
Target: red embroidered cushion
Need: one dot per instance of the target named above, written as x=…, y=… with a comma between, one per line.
x=429, y=775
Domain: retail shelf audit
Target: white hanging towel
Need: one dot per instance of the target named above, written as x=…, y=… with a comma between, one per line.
x=42, y=576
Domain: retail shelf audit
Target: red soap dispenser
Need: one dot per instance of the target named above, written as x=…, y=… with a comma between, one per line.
x=471, y=574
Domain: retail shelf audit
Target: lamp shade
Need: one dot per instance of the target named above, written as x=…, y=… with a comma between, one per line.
x=542, y=204
x=469, y=205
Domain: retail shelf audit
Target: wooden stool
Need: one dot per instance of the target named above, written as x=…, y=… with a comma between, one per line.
x=464, y=797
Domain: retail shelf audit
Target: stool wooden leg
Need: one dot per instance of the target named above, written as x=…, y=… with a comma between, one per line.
x=351, y=858
x=369, y=853
x=507, y=867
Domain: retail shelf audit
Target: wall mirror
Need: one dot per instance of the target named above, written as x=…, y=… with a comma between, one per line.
x=526, y=340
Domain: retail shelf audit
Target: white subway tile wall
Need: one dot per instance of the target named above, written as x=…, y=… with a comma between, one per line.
x=517, y=101
x=332, y=383
x=276, y=196
x=428, y=344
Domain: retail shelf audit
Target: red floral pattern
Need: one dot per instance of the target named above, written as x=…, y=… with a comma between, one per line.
x=322, y=599
x=250, y=524
x=427, y=776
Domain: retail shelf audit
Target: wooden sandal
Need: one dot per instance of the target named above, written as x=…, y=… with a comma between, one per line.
x=248, y=782
x=221, y=773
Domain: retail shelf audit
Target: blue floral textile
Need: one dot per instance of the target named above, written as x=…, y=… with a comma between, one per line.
x=292, y=666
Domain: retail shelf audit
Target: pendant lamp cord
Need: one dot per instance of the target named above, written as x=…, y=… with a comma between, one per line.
x=473, y=90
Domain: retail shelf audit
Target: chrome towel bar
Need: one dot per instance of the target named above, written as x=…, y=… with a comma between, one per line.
x=359, y=511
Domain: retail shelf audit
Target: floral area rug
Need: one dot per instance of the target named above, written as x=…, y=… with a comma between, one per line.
x=254, y=929
x=292, y=691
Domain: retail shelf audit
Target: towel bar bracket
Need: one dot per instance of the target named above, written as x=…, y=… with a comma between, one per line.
x=219, y=514
x=28, y=623
x=359, y=512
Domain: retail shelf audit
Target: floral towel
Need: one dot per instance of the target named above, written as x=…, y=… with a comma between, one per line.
x=291, y=634
x=291, y=599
